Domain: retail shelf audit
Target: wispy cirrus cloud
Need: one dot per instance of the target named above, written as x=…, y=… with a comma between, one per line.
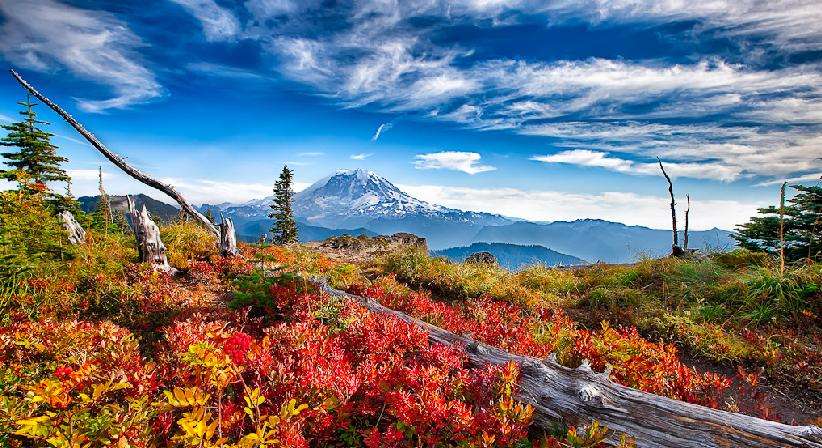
x=793, y=24
x=588, y=158
x=467, y=162
x=383, y=127
x=45, y=35
x=218, y=23
x=361, y=156
x=378, y=62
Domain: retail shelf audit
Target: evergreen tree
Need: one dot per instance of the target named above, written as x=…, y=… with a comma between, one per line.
x=35, y=158
x=209, y=215
x=284, y=230
x=803, y=226
x=103, y=214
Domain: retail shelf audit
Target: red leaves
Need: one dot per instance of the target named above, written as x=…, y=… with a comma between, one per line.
x=63, y=373
x=372, y=374
x=637, y=362
x=236, y=347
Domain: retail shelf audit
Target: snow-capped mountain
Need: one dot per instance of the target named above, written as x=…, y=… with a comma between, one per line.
x=356, y=198
x=353, y=198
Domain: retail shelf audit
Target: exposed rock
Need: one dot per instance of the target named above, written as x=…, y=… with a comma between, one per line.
x=482, y=258
x=364, y=248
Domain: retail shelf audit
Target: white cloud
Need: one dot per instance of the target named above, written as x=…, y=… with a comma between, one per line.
x=380, y=129
x=86, y=175
x=614, y=103
x=467, y=162
x=793, y=24
x=361, y=156
x=807, y=179
x=212, y=192
x=588, y=158
x=42, y=34
x=218, y=23
x=628, y=208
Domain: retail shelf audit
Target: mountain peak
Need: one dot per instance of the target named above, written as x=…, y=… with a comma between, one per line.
x=356, y=195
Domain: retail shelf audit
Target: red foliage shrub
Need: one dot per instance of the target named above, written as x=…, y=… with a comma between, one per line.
x=378, y=380
x=638, y=363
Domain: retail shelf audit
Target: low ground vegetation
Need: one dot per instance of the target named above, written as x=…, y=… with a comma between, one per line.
x=240, y=352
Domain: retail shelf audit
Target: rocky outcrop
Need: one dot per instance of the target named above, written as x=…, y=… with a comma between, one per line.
x=364, y=248
x=482, y=258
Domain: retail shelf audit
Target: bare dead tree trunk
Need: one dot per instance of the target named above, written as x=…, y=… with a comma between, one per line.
x=782, y=228
x=116, y=159
x=675, y=249
x=687, y=216
x=149, y=245
x=581, y=395
x=228, y=239
x=76, y=234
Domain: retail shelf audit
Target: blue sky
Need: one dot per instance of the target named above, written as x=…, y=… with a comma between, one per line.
x=541, y=110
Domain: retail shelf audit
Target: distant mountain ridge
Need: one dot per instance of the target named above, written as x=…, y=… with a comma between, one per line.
x=599, y=240
x=351, y=199
x=362, y=202
x=512, y=256
x=119, y=204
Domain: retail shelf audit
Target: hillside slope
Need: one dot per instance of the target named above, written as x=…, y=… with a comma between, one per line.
x=597, y=240
x=158, y=209
x=512, y=256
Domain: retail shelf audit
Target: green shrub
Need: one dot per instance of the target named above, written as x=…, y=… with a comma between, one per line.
x=187, y=242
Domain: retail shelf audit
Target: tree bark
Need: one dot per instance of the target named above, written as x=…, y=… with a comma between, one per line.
x=782, y=228
x=581, y=395
x=687, y=217
x=76, y=234
x=149, y=245
x=228, y=239
x=116, y=159
x=675, y=249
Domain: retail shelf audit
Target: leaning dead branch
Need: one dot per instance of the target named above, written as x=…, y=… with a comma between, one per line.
x=117, y=160
x=560, y=393
x=675, y=249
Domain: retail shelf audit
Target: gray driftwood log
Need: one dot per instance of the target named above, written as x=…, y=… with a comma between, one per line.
x=116, y=159
x=228, y=238
x=76, y=234
x=149, y=245
x=581, y=395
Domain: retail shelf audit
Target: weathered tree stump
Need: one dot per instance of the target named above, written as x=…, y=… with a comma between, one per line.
x=76, y=234
x=581, y=395
x=149, y=245
x=228, y=238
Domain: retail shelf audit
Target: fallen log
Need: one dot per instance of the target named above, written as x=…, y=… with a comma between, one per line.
x=560, y=393
x=149, y=245
x=117, y=160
